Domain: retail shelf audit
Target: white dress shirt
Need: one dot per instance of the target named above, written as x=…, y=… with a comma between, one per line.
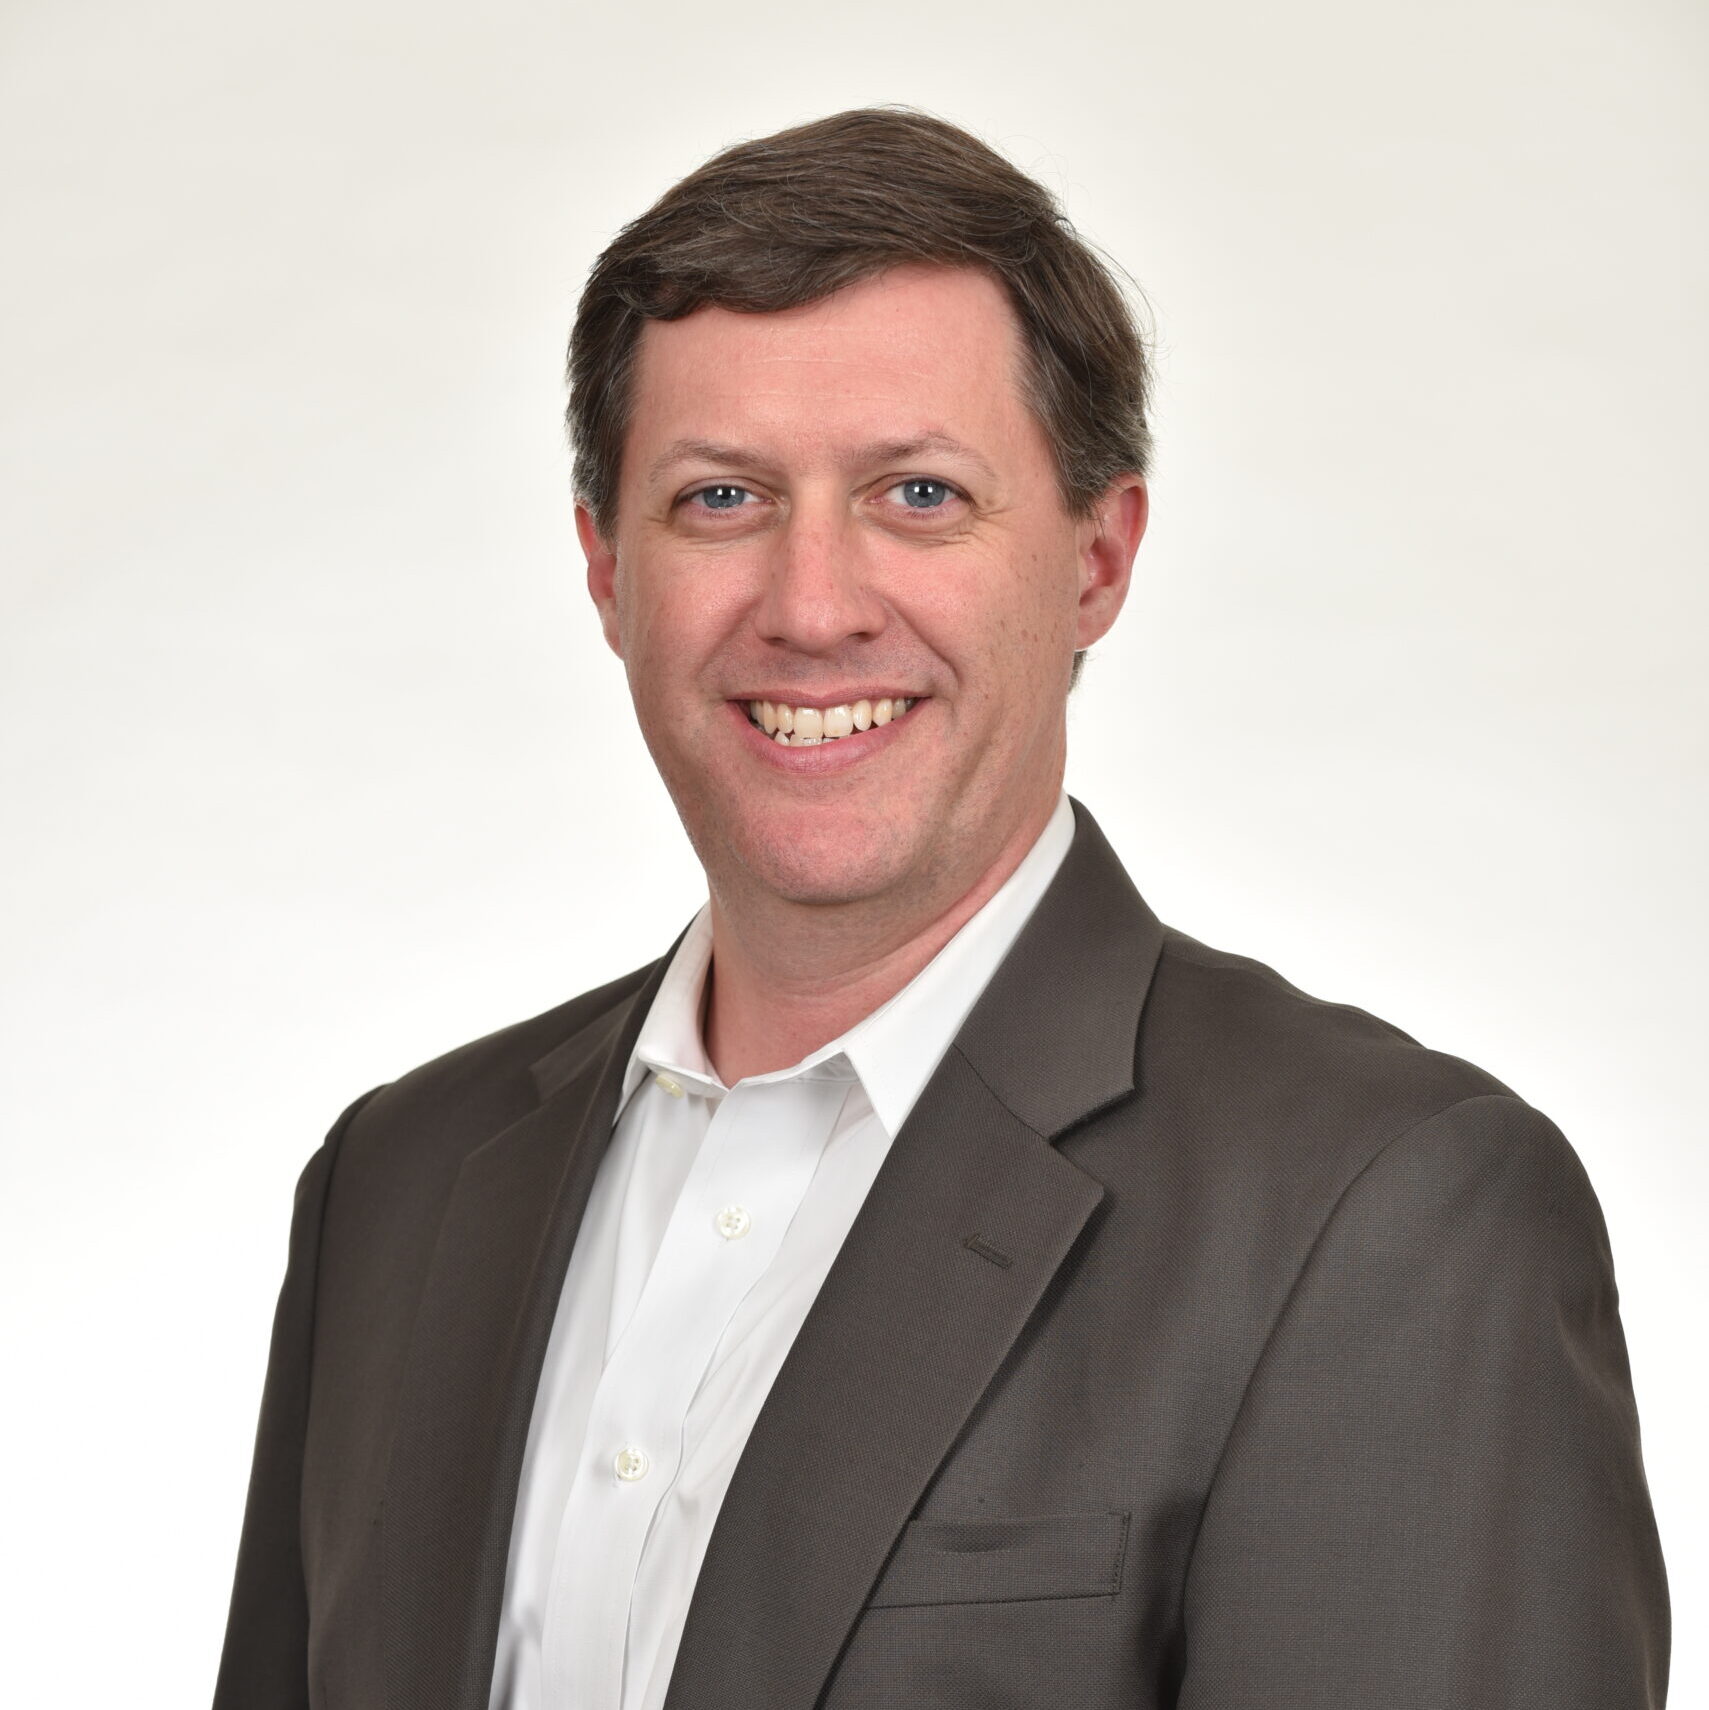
x=714, y=1216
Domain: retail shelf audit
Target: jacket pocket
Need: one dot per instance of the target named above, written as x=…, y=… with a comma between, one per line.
x=1003, y=1560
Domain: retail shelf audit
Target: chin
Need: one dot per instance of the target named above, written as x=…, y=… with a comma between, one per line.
x=820, y=870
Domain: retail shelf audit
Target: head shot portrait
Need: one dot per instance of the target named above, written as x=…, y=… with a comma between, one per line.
x=932, y=1275
x=965, y=1050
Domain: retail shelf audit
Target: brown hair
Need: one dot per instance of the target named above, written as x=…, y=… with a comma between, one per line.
x=787, y=219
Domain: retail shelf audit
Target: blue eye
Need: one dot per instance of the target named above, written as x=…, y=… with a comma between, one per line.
x=723, y=497
x=924, y=495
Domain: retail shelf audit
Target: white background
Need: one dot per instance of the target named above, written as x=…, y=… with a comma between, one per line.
x=304, y=704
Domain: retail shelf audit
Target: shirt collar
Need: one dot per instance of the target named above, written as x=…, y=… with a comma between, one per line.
x=894, y=1050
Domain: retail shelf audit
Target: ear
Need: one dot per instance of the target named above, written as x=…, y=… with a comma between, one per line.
x=1108, y=540
x=601, y=576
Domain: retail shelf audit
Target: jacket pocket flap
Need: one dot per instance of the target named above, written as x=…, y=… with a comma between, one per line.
x=1003, y=1560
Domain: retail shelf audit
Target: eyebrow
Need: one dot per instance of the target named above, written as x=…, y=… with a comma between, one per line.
x=880, y=451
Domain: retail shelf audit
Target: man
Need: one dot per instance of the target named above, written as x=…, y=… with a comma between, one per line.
x=932, y=1281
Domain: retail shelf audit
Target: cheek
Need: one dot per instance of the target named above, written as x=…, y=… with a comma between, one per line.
x=1047, y=608
x=679, y=622
x=1007, y=613
x=661, y=604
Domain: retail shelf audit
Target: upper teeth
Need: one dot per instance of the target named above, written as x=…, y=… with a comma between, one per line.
x=801, y=727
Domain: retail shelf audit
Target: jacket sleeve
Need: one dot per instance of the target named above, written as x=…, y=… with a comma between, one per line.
x=264, y=1665
x=1433, y=1497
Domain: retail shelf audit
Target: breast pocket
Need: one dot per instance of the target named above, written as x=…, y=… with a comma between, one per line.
x=1003, y=1560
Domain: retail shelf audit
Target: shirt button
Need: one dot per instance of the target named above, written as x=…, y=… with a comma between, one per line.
x=674, y=1088
x=733, y=1222
x=631, y=1463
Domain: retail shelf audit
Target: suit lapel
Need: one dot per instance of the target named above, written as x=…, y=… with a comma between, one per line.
x=919, y=1310
x=474, y=1364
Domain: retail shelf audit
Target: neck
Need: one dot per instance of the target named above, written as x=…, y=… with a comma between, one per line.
x=787, y=978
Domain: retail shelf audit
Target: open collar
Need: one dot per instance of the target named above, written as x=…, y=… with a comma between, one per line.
x=894, y=1050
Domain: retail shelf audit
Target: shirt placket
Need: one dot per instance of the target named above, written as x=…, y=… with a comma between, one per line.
x=749, y=1177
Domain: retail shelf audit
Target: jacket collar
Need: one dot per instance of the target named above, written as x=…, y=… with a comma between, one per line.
x=1054, y=1034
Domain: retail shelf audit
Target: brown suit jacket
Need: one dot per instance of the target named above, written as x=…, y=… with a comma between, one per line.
x=1200, y=1344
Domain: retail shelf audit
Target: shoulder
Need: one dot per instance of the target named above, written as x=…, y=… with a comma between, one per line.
x=1236, y=1028
x=441, y=1109
x=1277, y=1098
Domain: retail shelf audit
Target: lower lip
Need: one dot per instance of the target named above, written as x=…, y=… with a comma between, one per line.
x=821, y=759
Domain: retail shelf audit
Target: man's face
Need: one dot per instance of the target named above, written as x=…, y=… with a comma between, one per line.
x=841, y=503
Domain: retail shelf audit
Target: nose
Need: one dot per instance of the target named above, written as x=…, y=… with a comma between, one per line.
x=818, y=592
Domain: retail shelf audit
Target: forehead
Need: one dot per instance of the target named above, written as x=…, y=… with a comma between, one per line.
x=910, y=352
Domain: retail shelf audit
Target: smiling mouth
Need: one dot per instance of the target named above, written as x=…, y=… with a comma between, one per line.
x=808, y=727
